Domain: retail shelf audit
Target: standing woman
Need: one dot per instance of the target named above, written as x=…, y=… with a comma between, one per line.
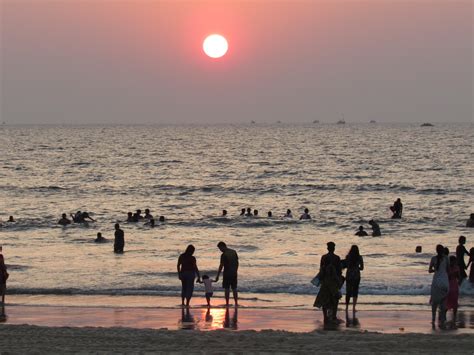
x=440, y=284
x=354, y=264
x=3, y=279
x=453, y=294
x=187, y=271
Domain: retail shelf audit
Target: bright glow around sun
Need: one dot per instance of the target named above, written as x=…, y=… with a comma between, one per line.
x=215, y=46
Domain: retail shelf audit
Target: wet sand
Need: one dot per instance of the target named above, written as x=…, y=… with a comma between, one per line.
x=47, y=329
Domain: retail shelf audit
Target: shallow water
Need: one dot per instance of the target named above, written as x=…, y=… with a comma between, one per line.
x=345, y=175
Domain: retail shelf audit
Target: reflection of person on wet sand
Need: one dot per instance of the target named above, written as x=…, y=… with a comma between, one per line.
x=228, y=322
x=187, y=319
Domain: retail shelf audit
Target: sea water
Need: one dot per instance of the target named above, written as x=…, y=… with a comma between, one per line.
x=344, y=174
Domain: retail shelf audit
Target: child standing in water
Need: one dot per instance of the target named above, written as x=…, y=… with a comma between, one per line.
x=208, y=289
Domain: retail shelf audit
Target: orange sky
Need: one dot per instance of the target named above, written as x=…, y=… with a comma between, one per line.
x=289, y=60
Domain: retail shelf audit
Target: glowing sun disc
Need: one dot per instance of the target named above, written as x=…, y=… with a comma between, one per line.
x=215, y=46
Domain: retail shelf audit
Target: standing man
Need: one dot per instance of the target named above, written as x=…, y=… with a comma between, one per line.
x=230, y=264
x=119, y=242
x=397, y=209
x=331, y=259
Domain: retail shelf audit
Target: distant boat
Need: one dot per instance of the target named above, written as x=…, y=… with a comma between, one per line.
x=341, y=122
x=252, y=122
x=373, y=121
x=278, y=121
x=427, y=124
x=316, y=121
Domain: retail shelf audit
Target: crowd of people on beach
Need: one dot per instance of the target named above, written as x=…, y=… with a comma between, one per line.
x=449, y=271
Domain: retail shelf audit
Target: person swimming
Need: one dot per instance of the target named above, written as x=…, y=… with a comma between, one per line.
x=162, y=219
x=361, y=232
x=397, y=209
x=288, y=214
x=470, y=221
x=10, y=219
x=138, y=215
x=305, y=215
x=242, y=212
x=255, y=213
x=130, y=218
x=224, y=213
x=147, y=214
x=80, y=217
x=77, y=217
x=100, y=238
x=375, y=228
x=269, y=214
x=249, y=212
x=64, y=220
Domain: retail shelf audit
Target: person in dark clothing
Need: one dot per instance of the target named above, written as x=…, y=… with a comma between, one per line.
x=230, y=264
x=187, y=272
x=3, y=280
x=460, y=252
x=361, y=232
x=397, y=209
x=375, y=228
x=470, y=221
x=354, y=264
x=330, y=274
x=242, y=212
x=119, y=242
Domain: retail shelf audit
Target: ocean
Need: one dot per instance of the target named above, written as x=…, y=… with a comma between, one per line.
x=344, y=174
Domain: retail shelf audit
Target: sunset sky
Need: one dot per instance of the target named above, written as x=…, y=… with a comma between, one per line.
x=116, y=61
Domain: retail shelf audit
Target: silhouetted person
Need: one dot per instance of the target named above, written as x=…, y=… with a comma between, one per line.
x=249, y=212
x=161, y=219
x=224, y=213
x=147, y=214
x=100, y=238
x=77, y=217
x=269, y=214
x=187, y=272
x=439, y=266
x=119, y=242
x=255, y=213
x=85, y=215
x=10, y=219
x=230, y=264
x=305, y=215
x=288, y=214
x=64, y=221
x=470, y=221
x=354, y=264
x=3, y=279
x=460, y=252
x=242, y=212
x=375, y=228
x=361, y=232
x=130, y=218
x=397, y=209
x=330, y=274
x=139, y=214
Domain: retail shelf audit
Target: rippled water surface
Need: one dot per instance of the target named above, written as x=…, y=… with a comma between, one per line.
x=345, y=175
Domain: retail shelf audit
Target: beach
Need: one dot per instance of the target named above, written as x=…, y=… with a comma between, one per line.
x=47, y=329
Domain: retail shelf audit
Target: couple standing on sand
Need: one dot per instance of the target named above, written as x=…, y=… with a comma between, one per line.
x=188, y=270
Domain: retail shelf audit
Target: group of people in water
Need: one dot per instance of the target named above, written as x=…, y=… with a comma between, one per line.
x=449, y=272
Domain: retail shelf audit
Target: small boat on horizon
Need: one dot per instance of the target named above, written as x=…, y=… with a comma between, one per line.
x=372, y=121
x=341, y=122
x=316, y=121
x=427, y=124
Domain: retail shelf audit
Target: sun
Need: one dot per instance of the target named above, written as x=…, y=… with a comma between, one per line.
x=215, y=46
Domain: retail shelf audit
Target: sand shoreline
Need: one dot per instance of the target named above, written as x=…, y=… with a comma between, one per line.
x=29, y=339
